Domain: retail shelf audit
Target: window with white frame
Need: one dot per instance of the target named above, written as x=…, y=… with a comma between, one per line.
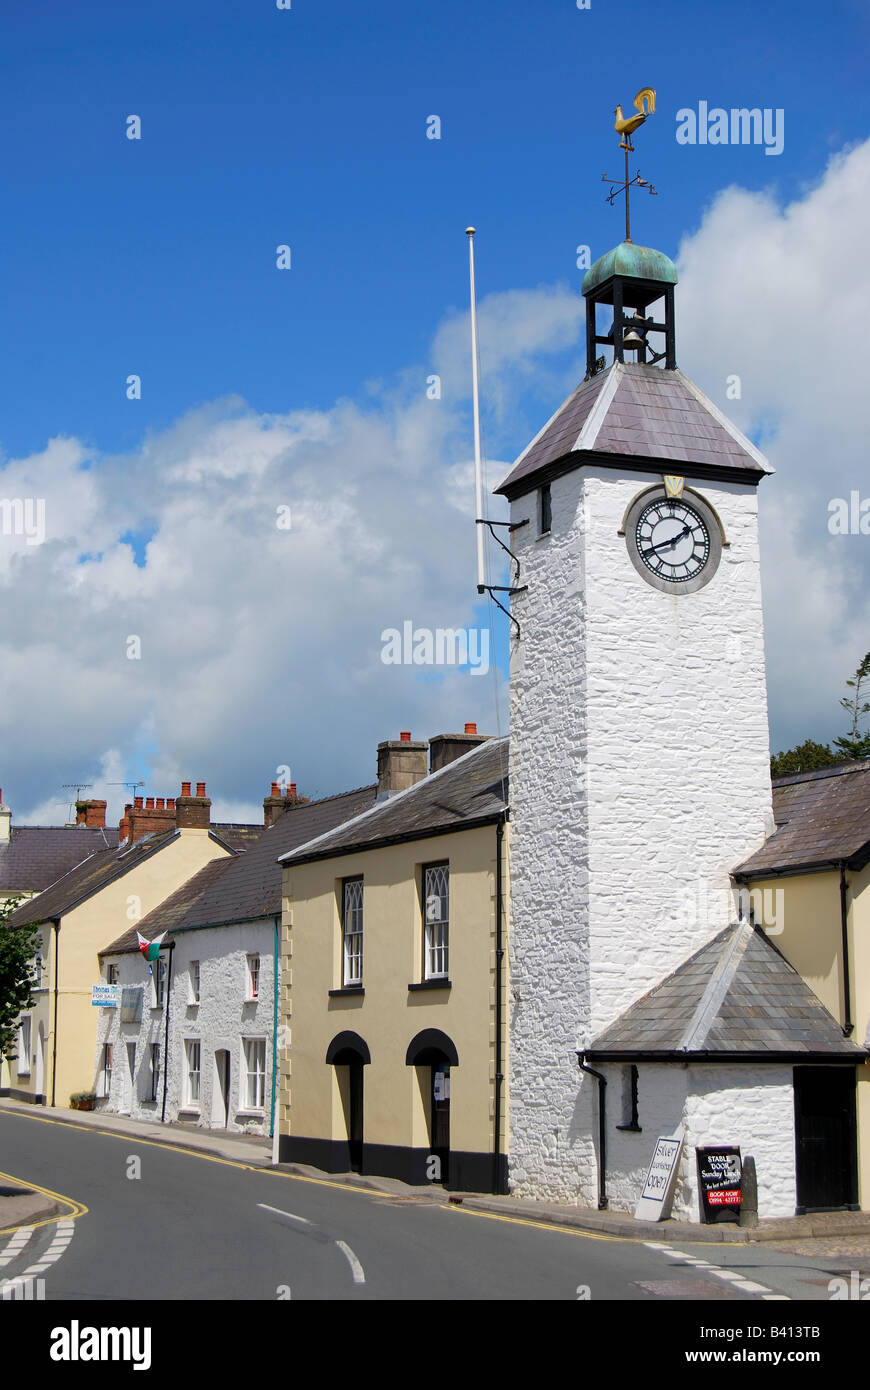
x=436, y=904
x=158, y=982
x=192, y=1052
x=105, y=1081
x=255, y=1073
x=352, y=931
x=194, y=982
x=23, y=1060
x=253, y=977
x=154, y=1072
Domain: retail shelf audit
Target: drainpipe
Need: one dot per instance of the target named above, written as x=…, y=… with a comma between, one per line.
x=497, y=1185
x=274, y=1031
x=848, y=1025
x=171, y=948
x=56, y=924
x=602, y=1131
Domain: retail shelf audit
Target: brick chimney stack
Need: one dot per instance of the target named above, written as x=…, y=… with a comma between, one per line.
x=401, y=764
x=147, y=816
x=91, y=814
x=274, y=805
x=193, y=812
x=446, y=748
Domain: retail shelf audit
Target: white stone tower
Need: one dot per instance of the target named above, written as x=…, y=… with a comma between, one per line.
x=639, y=740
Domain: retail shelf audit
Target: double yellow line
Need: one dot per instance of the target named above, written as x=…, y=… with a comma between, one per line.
x=75, y=1208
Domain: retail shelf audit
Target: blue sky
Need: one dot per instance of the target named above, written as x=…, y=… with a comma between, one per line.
x=308, y=127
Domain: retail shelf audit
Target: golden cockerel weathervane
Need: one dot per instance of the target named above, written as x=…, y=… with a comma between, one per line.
x=645, y=105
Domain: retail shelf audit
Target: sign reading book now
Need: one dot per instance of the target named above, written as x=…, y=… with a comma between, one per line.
x=105, y=996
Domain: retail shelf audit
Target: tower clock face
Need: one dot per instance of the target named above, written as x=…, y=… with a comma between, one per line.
x=674, y=542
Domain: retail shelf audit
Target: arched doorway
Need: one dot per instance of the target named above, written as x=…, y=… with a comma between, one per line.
x=348, y=1054
x=433, y=1054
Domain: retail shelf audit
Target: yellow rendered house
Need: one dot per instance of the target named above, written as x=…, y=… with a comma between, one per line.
x=162, y=847
x=809, y=888
x=394, y=976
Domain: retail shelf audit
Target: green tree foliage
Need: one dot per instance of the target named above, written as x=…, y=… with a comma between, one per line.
x=856, y=744
x=18, y=946
x=808, y=756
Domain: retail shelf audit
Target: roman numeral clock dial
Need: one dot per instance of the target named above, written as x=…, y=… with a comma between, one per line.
x=674, y=542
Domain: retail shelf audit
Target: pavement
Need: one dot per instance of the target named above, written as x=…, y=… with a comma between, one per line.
x=825, y=1234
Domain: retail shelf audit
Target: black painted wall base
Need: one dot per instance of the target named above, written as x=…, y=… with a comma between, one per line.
x=468, y=1172
x=27, y=1096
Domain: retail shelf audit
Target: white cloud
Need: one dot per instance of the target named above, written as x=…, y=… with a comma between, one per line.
x=261, y=647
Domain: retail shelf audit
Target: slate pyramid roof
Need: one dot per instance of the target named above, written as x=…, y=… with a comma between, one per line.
x=736, y=999
x=634, y=409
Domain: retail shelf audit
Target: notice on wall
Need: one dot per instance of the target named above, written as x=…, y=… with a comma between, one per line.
x=105, y=996
x=131, y=1004
x=658, y=1189
x=719, y=1175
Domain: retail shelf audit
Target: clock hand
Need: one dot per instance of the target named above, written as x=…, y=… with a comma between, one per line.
x=663, y=544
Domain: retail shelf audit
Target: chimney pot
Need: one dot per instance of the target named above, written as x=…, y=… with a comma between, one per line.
x=405, y=737
x=149, y=803
x=471, y=728
x=293, y=790
x=200, y=788
x=160, y=803
x=185, y=789
x=170, y=803
x=137, y=803
x=276, y=790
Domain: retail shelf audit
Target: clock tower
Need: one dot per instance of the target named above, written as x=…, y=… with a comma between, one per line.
x=640, y=772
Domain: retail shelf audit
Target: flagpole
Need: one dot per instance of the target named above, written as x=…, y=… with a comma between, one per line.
x=475, y=392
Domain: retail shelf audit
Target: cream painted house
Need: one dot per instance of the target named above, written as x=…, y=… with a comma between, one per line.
x=394, y=976
x=80, y=914
x=809, y=887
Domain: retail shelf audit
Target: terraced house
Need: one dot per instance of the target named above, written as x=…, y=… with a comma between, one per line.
x=395, y=979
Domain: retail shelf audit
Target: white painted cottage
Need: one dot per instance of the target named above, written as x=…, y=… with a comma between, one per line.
x=194, y=1035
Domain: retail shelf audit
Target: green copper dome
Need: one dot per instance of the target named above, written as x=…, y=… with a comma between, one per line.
x=639, y=262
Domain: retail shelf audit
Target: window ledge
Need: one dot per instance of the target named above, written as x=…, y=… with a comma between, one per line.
x=190, y=1110
x=347, y=989
x=441, y=982
x=249, y=1114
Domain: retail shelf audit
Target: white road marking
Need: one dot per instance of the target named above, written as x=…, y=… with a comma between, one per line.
x=730, y=1276
x=358, y=1274
x=16, y=1245
x=288, y=1214
x=62, y=1238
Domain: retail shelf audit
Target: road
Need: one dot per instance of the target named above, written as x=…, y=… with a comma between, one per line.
x=176, y=1225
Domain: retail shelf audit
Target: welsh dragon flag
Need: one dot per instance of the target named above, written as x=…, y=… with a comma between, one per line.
x=150, y=949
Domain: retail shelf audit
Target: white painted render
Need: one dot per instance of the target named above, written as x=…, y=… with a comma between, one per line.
x=747, y=1104
x=639, y=778
x=222, y=1020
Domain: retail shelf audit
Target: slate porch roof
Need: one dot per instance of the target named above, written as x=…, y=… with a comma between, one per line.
x=822, y=818
x=633, y=409
x=88, y=878
x=35, y=856
x=736, y=999
x=470, y=791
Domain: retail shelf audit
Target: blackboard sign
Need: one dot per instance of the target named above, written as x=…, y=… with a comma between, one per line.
x=719, y=1174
